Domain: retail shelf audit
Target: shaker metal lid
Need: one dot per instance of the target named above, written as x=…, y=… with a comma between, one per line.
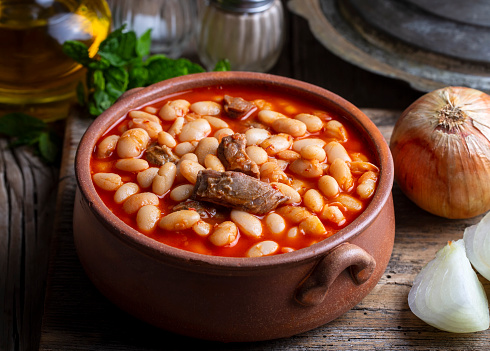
x=243, y=6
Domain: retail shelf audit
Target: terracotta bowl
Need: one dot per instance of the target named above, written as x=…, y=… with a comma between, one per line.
x=224, y=298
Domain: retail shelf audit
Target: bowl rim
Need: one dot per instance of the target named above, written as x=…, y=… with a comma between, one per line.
x=166, y=89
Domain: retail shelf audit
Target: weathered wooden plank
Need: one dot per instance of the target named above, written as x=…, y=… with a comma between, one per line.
x=27, y=194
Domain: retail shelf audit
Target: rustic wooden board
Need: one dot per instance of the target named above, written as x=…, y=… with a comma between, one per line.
x=27, y=197
x=78, y=317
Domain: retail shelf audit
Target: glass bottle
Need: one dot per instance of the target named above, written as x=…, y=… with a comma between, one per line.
x=172, y=22
x=249, y=33
x=36, y=77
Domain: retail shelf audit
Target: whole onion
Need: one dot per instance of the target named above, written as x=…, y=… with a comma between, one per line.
x=441, y=152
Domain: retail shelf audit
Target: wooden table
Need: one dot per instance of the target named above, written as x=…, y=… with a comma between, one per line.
x=78, y=317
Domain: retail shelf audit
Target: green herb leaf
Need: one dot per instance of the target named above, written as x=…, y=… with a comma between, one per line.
x=81, y=94
x=77, y=51
x=119, y=66
x=17, y=124
x=222, y=65
x=47, y=147
x=143, y=44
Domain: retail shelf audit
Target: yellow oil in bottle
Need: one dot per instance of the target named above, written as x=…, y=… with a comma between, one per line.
x=36, y=77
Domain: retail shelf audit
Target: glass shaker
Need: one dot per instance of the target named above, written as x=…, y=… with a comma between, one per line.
x=249, y=33
x=172, y=22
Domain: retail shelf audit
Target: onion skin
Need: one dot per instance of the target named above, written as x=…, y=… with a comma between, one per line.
x=441, y=152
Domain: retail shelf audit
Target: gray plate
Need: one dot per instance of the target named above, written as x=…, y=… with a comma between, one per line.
x=342, y=30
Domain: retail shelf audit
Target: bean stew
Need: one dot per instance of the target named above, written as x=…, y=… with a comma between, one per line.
x=234, y=171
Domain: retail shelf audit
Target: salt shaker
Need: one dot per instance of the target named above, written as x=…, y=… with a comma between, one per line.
x=249, y=33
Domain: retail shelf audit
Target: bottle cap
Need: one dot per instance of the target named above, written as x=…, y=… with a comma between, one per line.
x=243, y=6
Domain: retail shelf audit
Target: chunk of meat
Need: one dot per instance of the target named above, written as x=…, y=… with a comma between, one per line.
x=159, y=155
x=231, y=152
x=205, y=209
x=238, y=191
x=236, y=107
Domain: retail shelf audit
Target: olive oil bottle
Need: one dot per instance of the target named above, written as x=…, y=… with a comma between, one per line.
x=36, y=77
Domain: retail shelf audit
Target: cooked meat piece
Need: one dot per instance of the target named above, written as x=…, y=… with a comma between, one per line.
x=205, y=209
x=237, y=190
x=159, y=155
x=231, y=152
x=236, y=107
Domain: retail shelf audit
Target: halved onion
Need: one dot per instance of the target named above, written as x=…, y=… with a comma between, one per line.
x=477, y=242
x=447, y=293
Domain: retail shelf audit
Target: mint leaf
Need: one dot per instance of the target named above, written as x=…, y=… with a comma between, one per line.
x=138, y=76
x=27, y=130
x=118, y=77
x=47, y=147
x=17, y=124
x=161, y=67
x=222, y=65
x=77, y=51
x=81, y=94
x=143, y=44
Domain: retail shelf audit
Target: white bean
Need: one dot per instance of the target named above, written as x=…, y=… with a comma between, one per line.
x=293, y=195
x=313, y=200
x=299, y=144
x=195, y=130
x=143, y=115
x=312, y=226
x=202, y=228
x=307, y=169
x=275, y=223
x=147, y=217
x=289, y=126
x=151, y=109
x=179, y=220
x=257, y=154
x=214, y=163
x=182, y=192
x=166, y=139
x=295, y=214
x=146, y=121
x=336, y=130
x=206, y=146
x=136, y=201
x=312, y=122
x=174, y=109
x=333, y=214
x=342, y=174
x=107, y=181
x=313, y=152
x=276, y=143
x=208, y=108
x=107, y=146
x=125, y=191
x=145, y=178
x=215, y=122
x=165, y=178
x=176, y=127
x=268, y=117
x=189, y=156
x=349, y=202
x=132, y=143
x=264, y=248
x=247, y=223
x=366, y=185
x=336, y=150
x=189, y=169
x=328, y=186
x=225, y=233
x=271, y=172
x=132, y=164
x=255, y=136
x=288, y=155
x=185, y=148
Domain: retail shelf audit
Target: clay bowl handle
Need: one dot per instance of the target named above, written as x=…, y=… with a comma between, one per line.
x=313, y=289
